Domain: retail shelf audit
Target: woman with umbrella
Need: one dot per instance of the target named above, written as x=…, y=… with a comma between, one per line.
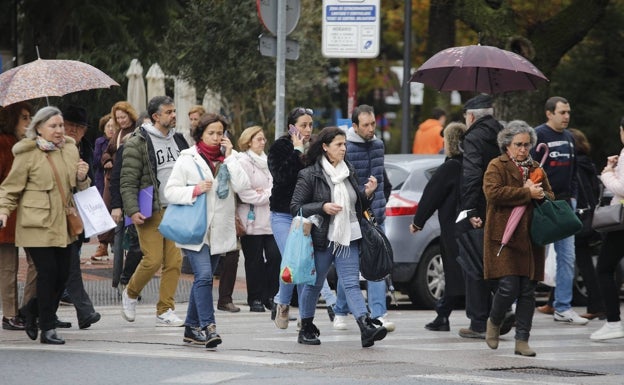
x=509, y=182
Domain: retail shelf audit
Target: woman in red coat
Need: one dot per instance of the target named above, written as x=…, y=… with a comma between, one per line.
x=513, y=179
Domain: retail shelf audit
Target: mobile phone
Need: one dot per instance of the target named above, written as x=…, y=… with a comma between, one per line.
x=225, y=135
x=292, y=130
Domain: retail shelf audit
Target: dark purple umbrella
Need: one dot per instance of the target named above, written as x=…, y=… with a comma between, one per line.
x=479, y=68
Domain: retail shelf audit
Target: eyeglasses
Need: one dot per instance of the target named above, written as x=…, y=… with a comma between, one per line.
x=523, y=145
x=307, y=111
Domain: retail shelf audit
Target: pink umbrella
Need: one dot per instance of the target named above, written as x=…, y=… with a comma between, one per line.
x=518, y=211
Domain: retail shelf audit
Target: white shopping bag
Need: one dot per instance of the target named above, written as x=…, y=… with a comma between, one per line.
x=550, y=266
x=95, y=216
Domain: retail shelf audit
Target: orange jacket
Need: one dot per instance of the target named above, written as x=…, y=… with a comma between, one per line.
x=428, y=139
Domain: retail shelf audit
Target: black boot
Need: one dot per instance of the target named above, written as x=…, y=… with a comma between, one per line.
x=308, y=335
x=29, y=312
x=439, y=324
x=371, y=330
x=50, y=337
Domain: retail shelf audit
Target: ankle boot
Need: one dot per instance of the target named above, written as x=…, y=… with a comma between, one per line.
x=523, y=349
x=439, y=324
x=308, y=334
x=492, y=332
x=371, y=330
x=50, y=337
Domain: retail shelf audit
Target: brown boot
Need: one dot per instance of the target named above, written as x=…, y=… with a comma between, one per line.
x=523, y=349
x=101, y=252
x=492, y=332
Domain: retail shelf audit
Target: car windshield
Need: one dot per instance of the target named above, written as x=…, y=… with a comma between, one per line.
x=416, y=182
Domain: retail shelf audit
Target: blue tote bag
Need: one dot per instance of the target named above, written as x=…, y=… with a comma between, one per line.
x=186, y=224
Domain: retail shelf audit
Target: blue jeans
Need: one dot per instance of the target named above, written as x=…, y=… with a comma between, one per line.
x=348, y=269
x=280, y=225
x=565, y=274
x=200, y=310
x=328, y=294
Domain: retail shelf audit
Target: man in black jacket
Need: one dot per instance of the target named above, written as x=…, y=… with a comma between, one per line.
x=480, y=147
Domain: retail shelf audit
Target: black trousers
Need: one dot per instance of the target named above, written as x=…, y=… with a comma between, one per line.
x=262, y=266
x=510, y=289
x=478, y=302
x=75, y=286
x=228, y=266
x=584, y=261
x=608, y=261
x=52, y=264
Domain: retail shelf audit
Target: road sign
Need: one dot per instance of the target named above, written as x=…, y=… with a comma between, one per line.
x=351, y=28
x=267, y=12
x=268, y=47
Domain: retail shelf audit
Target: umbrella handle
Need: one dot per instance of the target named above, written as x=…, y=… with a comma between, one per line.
x=544, y=147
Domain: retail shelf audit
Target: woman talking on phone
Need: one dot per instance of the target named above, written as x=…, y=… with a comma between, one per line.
x=285, y=159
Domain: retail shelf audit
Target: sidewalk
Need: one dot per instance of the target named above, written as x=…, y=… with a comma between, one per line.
x=97, y=279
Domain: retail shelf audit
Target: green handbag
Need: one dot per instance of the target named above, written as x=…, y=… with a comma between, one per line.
x=553, y=221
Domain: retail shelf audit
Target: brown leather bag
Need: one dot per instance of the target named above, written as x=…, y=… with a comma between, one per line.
x=74, y=222
x=240, y=227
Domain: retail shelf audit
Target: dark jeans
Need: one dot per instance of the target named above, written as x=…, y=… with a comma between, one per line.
x=262, y=266
x=75, y=287
x=52, y=264
x=227, y=278
x=608, y=261
x=510, y=289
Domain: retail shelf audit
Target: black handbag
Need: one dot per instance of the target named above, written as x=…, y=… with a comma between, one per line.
x=376, y=257
x=553, y=221
x=470, y=246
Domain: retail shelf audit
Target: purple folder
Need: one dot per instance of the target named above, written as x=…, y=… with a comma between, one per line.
x=145, y=204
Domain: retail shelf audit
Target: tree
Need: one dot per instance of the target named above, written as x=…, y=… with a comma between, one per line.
x=215, y=45
x=541, y=31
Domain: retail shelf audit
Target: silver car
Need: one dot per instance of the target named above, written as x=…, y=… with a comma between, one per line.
x=417, y=260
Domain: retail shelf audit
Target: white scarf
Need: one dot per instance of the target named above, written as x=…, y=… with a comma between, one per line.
x=340, y=228
x=259, y=161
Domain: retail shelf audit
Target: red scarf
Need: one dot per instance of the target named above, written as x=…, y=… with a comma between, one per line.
x=211, y=153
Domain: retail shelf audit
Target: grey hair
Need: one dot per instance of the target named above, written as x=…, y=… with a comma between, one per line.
x=513, y=128
x=42, y=116
x=481, y=112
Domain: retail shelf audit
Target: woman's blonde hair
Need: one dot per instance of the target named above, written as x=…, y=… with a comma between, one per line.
x=244, y=142
x=452, y=137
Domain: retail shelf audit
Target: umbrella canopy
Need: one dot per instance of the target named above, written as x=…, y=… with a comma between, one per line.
x=184, y=96
x=155, y=81
x=479, y=68
x=42, y=78
x=136, y=86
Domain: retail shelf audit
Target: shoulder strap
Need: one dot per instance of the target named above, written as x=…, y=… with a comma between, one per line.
x=58, y=179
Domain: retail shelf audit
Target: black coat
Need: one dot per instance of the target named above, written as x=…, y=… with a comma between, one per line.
x=480, y=147
x=284, y=163
x=313, y=191
x=442, y=194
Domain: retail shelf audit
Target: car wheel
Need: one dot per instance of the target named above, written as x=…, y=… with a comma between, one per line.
x=427, y=285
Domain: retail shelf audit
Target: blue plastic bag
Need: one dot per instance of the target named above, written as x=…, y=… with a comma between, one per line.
x=298, y=260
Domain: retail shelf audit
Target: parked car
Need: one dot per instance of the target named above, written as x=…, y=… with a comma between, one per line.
x=417, y=260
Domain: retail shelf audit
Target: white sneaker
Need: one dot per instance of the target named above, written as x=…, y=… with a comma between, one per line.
x=389, y=325
x=570, y=317
x=128, y=306
x=340, y=322
x=608, y=331
x=169, y=318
